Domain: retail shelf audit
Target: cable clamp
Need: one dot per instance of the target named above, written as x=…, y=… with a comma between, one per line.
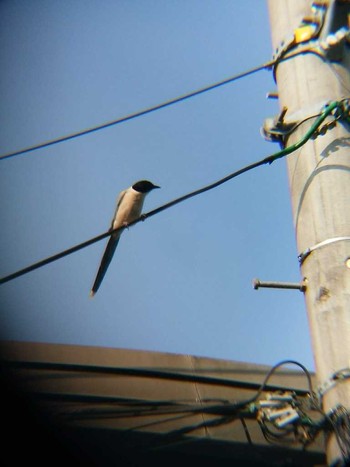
x=279, y=409
x=309, y=29
x=336, y=378
x=341, y=112
x=275, y=129
x=278, y=128
x=311, y=25
x=302, y=257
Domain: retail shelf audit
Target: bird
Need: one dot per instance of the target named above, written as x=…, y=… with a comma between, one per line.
x=129, y=207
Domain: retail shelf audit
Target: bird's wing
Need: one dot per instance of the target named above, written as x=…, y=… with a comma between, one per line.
x=106, y=259
x=119, y=200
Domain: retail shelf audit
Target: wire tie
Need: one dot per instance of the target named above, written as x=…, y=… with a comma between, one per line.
x=309, y=250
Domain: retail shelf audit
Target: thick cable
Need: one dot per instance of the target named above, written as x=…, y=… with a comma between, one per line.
x=267, y=160
x=148, y=373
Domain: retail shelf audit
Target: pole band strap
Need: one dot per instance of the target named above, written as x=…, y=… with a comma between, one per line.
x=337, y=377
x=308, y=251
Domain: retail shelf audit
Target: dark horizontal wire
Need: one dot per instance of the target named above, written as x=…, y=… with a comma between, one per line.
x=266, y=160
x=227, y=412
x=96, y=239
x=162, y=374
x=141, y=112
x=168, y=103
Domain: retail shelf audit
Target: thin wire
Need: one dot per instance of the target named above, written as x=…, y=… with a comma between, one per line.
x=282, y=363
x=267, y=160
x=246, y=430
x=141, y=112
x=168, y=103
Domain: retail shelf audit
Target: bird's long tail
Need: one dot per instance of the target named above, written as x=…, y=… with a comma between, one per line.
x=106, y=259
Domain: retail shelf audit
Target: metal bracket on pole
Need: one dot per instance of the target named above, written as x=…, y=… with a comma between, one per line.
x=337, y=377
x=257, y=283
x=309, y=29
x=329, y=241
x=275, y=129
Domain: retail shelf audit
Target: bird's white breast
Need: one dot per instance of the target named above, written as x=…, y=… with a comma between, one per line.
x=130, y=207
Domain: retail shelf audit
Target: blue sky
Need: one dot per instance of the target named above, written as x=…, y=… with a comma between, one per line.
x=180, y=282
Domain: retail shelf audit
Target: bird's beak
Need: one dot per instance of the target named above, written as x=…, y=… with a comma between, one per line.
x=156, y=186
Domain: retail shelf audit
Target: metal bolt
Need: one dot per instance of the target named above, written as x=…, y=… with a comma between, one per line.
x=280, y=285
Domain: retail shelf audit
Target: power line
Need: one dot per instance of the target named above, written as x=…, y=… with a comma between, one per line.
x=140, y=113
x=148, y=110
x=157, y=374
x=335, y=105
x=225, y=410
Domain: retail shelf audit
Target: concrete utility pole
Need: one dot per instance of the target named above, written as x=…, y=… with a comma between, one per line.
x=319, y=178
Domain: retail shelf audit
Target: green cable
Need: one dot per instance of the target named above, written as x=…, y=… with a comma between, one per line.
x=268, y=160
x=293, y=147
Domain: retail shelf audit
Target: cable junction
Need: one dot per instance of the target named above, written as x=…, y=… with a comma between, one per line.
x=328, y=110
x=284, y=414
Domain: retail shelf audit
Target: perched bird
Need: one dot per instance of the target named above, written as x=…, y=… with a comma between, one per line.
x=129, y=207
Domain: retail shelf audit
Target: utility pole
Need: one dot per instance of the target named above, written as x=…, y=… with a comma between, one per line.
x=319, y=179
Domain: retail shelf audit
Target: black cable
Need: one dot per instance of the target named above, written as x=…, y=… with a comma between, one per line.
x=340, y=423
x=274, y=437
x=55, y=257
x=140, y=113
x=225, y=411
x=141, y=218
x=148, y=373
x=263, y=386
x=148, y=110
x=246, y=430
x=282, y=363
x=334, y=105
